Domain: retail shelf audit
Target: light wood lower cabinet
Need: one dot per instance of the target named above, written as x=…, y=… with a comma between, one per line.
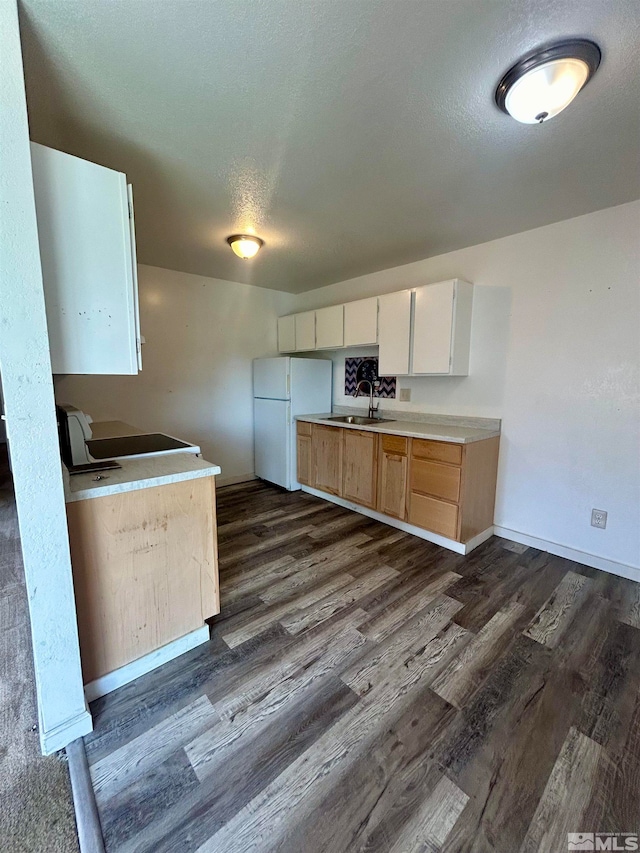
x=360, y=467
x=303, y=454
x=326, y=458
x=393, y=477
x=443, y=487
x=453, y=487
x=145, y=570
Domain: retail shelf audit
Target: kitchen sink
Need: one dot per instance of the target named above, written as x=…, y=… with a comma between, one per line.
x=358, y=421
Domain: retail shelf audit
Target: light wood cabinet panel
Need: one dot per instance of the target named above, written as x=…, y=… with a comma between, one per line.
x=359, y=467
x=394, y=333
x=435, y=515
x=393, y=481
x=287, y=333
x=478, y=490
x=330, y=327
x=436, y=479
x=442, y=329
x=305, y=324
x=361, y=322
x=145, y=570
x=326, y=458
x=439, y=451
x=303, y=458
x=395, y=444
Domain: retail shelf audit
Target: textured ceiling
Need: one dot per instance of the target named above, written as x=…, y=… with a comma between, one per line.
x=351, y=135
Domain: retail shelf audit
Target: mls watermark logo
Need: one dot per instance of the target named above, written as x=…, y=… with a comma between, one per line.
x=603, y=841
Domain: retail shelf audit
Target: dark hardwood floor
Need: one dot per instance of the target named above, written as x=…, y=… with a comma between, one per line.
x=365, y=690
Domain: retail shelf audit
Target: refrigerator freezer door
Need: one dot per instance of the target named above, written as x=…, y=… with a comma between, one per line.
x=273, y=441
x=271, y=378
x=311, y=386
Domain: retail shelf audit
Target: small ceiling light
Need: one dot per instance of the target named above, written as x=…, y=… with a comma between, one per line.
x=544, y=82
x=245, y=245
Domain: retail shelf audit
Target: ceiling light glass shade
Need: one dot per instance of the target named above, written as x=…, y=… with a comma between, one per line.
x=544, y=83
x=245, y=246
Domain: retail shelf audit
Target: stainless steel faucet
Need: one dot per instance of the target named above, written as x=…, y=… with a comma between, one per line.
x=373, y=410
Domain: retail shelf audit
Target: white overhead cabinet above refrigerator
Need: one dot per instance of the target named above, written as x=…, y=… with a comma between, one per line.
x=88, y=255
x=283, y=388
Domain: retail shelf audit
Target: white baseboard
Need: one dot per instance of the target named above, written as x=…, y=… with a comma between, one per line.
x=55, y=739
x=119, y=677
x=611, y=566
x=451, y=544
x=232, y=481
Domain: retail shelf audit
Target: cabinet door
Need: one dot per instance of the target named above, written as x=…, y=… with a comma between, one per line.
x=305, y=331
x=442, y=328
x=330, y=327
x=287, y=333
x=88, y=264
x=326, y=458
x=393, y=477
x=394, y=333
x=303, y=455
x=360, y=467
x=433, y=328
x=361, y=322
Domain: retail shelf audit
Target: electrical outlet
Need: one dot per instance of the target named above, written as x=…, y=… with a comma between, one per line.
x=405, y=395
x=598, y=518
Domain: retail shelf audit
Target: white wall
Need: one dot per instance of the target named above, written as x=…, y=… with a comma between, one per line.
x=31, y=423
x=556, y=354
x=196, y=383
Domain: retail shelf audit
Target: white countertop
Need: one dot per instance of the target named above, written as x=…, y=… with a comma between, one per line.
x=138, y=473
x=411, y=429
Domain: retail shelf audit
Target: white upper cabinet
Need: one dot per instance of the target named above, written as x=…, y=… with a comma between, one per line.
x=361, y=322
x=442, y=329
x=87, y=250
x=394, y=333
x=330, y=327
x=287, y=333
x=305, y=331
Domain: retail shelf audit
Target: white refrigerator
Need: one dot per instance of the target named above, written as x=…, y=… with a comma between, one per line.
x=283, y=388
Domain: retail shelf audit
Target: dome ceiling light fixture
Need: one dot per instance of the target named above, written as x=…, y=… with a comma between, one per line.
x=543, y=83
x=245, y=246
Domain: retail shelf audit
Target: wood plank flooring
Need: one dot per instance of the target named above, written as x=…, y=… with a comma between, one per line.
x=365, y=690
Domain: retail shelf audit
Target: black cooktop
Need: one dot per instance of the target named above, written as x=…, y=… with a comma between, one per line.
x=131, y=445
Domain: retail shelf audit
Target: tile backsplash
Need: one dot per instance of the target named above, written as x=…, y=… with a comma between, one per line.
x=357, y=369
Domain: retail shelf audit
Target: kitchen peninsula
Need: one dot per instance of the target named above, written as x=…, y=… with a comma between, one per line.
x=144, y=556
x=430, y=475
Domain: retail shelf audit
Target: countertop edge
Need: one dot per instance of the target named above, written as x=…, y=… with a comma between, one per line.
x=142, y=483
x=408, y=430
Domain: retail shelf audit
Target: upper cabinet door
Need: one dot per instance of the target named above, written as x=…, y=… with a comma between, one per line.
x=88, y=263
x=442, y=328
x=361, y=322
x=287, y=333
x=394, y=333
x=330, y=327
x=305, y=331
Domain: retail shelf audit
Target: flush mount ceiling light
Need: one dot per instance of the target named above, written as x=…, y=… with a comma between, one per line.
x=245, y=246
x=544, y=82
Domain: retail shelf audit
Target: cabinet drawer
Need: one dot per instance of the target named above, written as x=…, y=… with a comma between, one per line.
x=304, y=428
x=441, y=451
x=434, y=515
x=434, y=478
x=395, y=444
